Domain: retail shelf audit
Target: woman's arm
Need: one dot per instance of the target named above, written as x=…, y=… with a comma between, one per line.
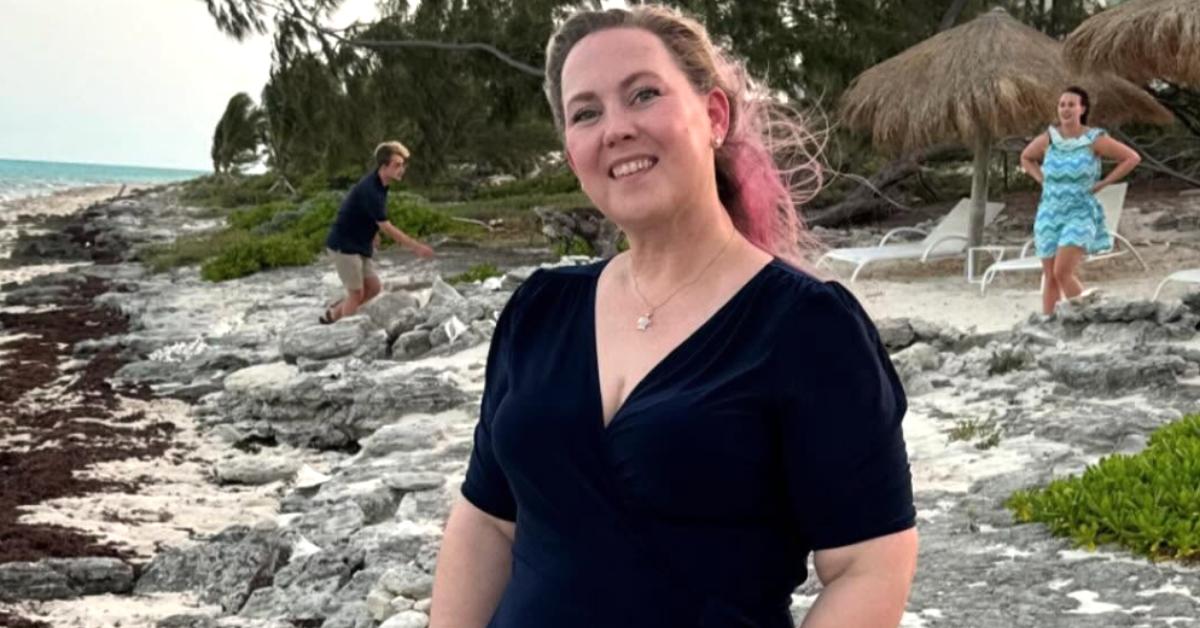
x=866, y=584
x=1031, y=157
x=1127, y=159
x=473, y=568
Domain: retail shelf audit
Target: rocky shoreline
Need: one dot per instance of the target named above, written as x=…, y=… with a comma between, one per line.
x=234, y=464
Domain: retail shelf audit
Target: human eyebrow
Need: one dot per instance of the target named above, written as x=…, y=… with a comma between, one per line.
x=623, y=85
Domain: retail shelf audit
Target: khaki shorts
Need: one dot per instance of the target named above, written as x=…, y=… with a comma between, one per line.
x=352, y=269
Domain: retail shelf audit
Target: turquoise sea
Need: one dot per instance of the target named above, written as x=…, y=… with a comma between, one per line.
x=19, y=179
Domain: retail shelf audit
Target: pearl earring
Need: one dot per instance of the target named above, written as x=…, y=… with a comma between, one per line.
x=716, y=141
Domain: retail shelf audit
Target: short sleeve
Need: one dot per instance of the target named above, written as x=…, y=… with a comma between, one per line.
x=486, y=485
x=845, y=461
x=377, y=207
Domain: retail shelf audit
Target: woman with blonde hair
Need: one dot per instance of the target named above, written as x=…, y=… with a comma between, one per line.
x=665, y=436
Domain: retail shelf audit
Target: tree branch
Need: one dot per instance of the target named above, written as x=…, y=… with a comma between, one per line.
x=951, y=16
x=376, y=44
x=1150, y=163
x=439, y=45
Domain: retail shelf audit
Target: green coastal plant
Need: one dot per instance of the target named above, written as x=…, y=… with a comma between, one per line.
x=248, y=256
x=228, y=191
x=300, y=237
x=478, y=272
x=256, y=214
x=575, y=246
x=985, y=432
x=1148, y=502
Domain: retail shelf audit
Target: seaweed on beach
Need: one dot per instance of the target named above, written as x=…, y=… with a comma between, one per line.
x=8, y=620
x=81, y=427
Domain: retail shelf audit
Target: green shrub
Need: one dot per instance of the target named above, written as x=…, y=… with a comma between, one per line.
x=563, y=182
x=249, y=256
x=340, y=181
x=282, y=233
x=484, y=209
x=238, y=259
x=316, y=216
x=1148, y=502
x=985, y=433
x=476, y=273
x=188, y=250
x=248, y=218
x=576, y=246
x=229, y=191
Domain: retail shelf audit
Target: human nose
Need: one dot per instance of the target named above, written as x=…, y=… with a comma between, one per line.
x=618, y=127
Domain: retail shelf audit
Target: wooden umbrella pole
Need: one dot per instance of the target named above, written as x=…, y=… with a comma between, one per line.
x=979, y=190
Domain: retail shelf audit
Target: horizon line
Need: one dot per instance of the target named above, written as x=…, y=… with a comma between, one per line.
x=88, y=163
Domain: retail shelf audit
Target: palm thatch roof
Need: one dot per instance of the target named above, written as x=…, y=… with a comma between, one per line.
x=1141, y=40
x=990, y=78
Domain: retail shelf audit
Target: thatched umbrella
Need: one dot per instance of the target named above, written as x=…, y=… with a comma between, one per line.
x=988, y=79
x=1141, y=40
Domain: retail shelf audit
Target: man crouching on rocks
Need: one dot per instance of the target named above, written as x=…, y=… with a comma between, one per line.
x=355, y=233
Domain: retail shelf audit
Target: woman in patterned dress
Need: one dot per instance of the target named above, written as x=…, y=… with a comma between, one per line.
x=1065, y=160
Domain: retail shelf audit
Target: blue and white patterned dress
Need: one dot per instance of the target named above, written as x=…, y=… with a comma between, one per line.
x=1068, y=214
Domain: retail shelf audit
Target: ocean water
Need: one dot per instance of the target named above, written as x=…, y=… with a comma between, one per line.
x=20, y=179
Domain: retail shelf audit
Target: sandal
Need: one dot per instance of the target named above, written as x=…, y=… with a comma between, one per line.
x=328, y=318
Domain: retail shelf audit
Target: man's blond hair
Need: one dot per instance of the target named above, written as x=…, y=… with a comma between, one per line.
x=385, y=151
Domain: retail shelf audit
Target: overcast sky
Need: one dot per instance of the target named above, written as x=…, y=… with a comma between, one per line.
x=129, y=82
x=126, y=82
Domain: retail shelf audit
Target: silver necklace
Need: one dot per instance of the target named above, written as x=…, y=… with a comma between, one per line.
x=647, y=318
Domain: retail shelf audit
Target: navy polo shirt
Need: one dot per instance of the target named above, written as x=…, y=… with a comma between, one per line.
x=359, y=216
x=772, y=431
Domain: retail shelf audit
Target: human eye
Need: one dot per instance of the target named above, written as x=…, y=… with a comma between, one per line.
x=583, y=115
x=645, y=94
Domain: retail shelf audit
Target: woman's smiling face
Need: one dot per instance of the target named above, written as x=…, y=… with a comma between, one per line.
x=637, y=133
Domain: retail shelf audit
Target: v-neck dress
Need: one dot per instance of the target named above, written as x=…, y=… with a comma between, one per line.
x=772, y=431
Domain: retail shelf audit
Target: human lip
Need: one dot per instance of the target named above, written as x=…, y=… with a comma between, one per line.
x=631, y=166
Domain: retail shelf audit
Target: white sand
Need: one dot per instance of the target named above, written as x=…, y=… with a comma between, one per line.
x=175, y=503
x=111, y=611
x=60, y=203
x=939, y=292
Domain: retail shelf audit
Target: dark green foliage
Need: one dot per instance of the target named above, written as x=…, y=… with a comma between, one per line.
x=555, y=183
x=248, y=218
x=238, y=18
x=328, y=103
x=188, y=250
x=576, y=246
x=985, y=433
x=238, y=135
x=487, y=208
x=476, y=273
x=1148, y=502
x=248, y=256
x=285, y=233
x=228, y=192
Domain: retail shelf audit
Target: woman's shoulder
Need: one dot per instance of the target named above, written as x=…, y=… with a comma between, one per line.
x=812, y=319
x=547, y=286
x=804, y=296
x=561, y=276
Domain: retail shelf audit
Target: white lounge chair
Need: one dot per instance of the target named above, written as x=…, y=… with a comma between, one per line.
x=948, y=239
x=1191, y=275
x=1112, y=199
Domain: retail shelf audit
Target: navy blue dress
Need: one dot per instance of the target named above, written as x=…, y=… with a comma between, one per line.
x=772, y=431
